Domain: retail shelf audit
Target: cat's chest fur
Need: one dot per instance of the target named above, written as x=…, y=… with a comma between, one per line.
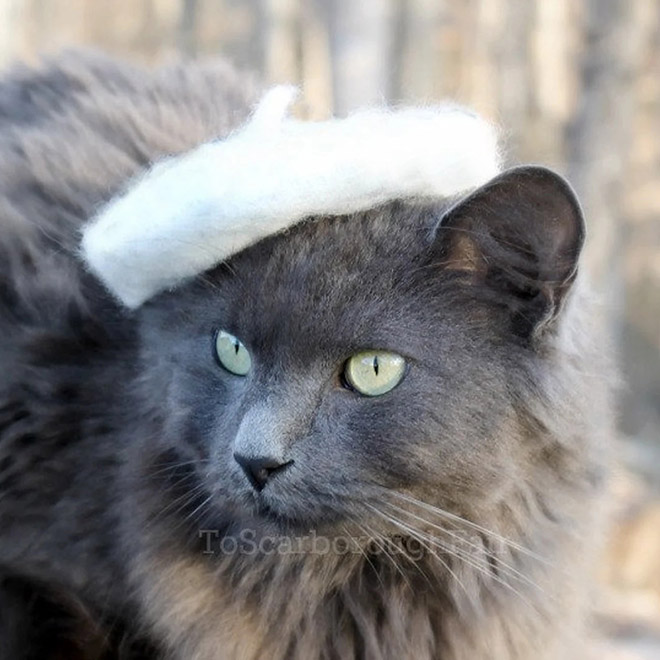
x=298, y=615
x=460, y=594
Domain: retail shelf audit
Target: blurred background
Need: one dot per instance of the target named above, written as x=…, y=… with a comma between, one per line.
x=574, y=84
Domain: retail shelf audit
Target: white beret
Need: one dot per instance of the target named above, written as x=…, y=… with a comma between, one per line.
x=190, y=212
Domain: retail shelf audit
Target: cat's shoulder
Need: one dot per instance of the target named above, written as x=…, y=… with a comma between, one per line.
x=73, y=130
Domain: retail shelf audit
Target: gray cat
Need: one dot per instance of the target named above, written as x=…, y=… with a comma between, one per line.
x=381, y=436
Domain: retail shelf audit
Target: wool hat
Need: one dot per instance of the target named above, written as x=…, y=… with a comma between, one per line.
x=190, y=212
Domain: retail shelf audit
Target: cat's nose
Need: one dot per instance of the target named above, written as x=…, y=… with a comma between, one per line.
x=259, y=469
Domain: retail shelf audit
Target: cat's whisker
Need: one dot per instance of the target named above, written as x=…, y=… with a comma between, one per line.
x=485, y=568
x=489, y=574
x=172, y=467
x=188, y=517
x=464, y=521
x=362, y=551
x=380, y=542
x=511, y=571
x=192, y=496
x=400, y=525
x=178, y=504
x=406, y=556
x=421, y=537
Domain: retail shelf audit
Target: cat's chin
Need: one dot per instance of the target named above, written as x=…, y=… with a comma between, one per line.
x=290, y=523
x=267, y=517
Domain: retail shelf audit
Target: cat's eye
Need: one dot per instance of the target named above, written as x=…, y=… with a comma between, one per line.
x=373, y=373
x=232, y=354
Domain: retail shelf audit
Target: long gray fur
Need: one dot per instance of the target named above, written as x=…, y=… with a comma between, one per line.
x=116, y=428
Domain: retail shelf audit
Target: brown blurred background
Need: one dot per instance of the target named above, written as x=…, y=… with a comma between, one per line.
x=574, y=84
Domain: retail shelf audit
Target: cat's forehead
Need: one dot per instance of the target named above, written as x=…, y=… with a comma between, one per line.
x=344, y=274
x=329, y=282
x=335, y=255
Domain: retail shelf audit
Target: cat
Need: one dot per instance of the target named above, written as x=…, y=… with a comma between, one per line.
x=217, y=475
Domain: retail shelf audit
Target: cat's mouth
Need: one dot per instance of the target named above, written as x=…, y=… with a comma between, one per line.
x=276, y=517
x=288, y=520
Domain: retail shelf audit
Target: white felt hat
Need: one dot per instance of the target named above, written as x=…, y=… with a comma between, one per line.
x=191, y=212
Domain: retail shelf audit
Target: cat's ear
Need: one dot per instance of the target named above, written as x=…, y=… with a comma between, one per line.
x=519, y=237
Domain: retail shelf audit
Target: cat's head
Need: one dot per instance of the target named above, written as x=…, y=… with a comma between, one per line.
x=329, y=372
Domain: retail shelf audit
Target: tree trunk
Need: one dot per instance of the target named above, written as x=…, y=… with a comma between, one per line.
x=281, y=42
x=361, y=45
x=187, y=28
x=599, y=138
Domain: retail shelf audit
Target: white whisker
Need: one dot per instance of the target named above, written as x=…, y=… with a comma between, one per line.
x=502, y=565
x=404, y=527
x=463, y=521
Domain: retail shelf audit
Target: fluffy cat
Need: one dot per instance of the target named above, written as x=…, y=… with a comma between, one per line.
x=153, y=504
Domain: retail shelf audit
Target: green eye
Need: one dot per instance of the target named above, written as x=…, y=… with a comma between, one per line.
x=231, y=354
x=374, y=372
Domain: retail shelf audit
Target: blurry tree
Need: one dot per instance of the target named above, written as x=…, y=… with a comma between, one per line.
x=420, y=55
x=281, y=40
x=361, y=37
x=188, y=28
x=599, y=135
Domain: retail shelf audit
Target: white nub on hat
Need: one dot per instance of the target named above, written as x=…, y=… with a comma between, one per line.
x=190, y=212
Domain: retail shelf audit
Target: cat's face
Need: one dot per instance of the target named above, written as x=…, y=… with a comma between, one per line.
x=278, y=433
